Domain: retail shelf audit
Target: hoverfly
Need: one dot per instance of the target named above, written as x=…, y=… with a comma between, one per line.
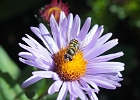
x=72, y=49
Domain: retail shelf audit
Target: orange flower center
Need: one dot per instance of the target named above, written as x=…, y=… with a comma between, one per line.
x=70, y=70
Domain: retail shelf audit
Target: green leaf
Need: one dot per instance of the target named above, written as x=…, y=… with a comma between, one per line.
x=9, y=72
x=29, y=93
x=7, y=66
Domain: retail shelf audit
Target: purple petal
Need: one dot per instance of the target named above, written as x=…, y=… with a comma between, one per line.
x=69, y=26
x=78, y=91
x=91, y=94
x=94, y=39
x=29, y=42
x=56, y=77
x=49, y=40
x=56, y=32
x=43, y=74
x=97, y=51
x=36, y=46
x=104, y=64
x=62, y=16
x=108, y=57
x=111, y=77
x=27, y=55
x=53, y=25
x=86, y=89
x=43, y=29
x=102, y=82
x=96, y=89
x=30, y=81
x=103, y=39
x=36, y=52
x=75, y=27
x=43, y=50
x=63, y=92
x=32, y=50
x=72, y=97
x=104, y=69
x=33, y=63
x=63, y=29
x=43, y=63
x=55, y=87
x=71, y=90
x=89, y=36
x=83, y=32
x=38, y=33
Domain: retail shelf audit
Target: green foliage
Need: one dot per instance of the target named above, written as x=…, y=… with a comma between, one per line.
x=108, y=12
x=9, y=72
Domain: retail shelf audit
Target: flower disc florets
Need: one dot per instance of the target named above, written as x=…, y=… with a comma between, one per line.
x=70, y=70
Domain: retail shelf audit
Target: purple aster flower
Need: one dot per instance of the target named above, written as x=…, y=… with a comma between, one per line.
x=72, y=58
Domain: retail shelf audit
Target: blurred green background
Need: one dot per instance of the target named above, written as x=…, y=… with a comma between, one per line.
x=121, y=17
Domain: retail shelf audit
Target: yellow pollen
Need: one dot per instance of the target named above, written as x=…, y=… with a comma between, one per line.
x=70, y=70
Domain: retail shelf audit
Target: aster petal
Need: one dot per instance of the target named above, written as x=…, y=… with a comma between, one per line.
x=69, y=26
x=49, y=40
x=62, y=16
x=83, y=82
x=38, y=33
x=107, y=57
x=63, y=92
x=79, y=92
x=39, y=47
x=111, y=81
x=27, y=55
x=71, y=90
x=101, y=82
x=86, y=89
x=94, y=39
x=33, y=63
x=72, y=97
x=83, y=32
x=105, y=67
x=91, y=32
x=56, y=76
x=97, y=51
x=55, y=87
x=104, y=64
x=35, y=52
x=103, y=39
x=91, y=94
x=115, y=78
x=89, y=36
x=56, y=33
x=43, y=30
x=30, y=81
x=53, y=25
x=33, y=47
x=75, y=27
x=43, y=74
x=63, y=29
x=30, y=43
x=43, y=63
